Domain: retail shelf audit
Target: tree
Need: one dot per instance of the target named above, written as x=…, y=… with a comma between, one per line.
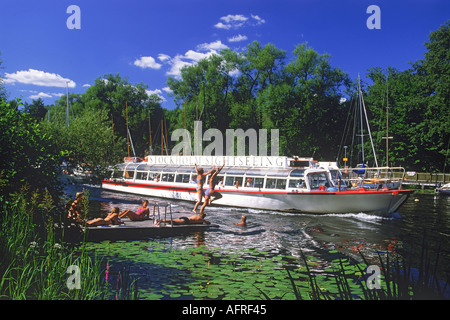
x=36, y=110
x=305, y=104
x=28, y=156
x=124, y=102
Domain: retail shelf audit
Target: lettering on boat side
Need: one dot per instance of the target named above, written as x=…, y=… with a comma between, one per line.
x=231, y=309
x=230, y=161
x=74, y=280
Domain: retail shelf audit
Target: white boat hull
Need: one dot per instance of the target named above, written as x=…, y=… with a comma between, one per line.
x=383, y=203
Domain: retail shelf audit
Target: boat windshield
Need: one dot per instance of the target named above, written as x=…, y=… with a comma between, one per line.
x=318, y=179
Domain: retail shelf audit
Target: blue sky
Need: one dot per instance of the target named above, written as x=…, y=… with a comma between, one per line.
x=146, y=41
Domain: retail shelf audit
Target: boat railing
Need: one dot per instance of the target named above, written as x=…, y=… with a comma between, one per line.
x=374, y=177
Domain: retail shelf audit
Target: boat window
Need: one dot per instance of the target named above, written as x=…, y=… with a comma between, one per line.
x=231, y=181
x=117, y=174
x=279, y=173
x=141, y=175
x=128, y=174
x=317, y=180
x=168, y=177
x=297, y=173
x=272, y=183
x=297, y=183
x=152, y=175
x=182, y=177
x=143, y=167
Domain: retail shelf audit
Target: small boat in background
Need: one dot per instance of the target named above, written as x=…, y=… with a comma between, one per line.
x=445, y=189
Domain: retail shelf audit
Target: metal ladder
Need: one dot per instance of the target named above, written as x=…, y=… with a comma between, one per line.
x=156, y=210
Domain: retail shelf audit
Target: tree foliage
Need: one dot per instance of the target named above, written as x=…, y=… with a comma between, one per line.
x=28, y=156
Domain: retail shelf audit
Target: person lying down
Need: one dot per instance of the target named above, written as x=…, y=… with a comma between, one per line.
x=194, y=219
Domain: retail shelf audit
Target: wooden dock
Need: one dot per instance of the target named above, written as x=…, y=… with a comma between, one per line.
x=135, y=230
x=426, y=180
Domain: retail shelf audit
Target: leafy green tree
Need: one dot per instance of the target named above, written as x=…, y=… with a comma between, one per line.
x=36, y=110
x=123, y=101
x=28, y=156
x=305, y=106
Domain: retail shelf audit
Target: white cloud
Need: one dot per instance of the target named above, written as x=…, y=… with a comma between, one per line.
x=156, y=92
x=237, y=38
x=220, y=25
x=44, y=95
x=258, y=19
x=238, y=20
x=86, y=85
x=40, y=95
x=38, y=78
x=163, y=57
x=147, y=62
x=216, y=45
x=167, y=89
x=204, y=50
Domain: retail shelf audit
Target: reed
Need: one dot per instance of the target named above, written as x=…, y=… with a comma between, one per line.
x=34, y=262
x=399, y=279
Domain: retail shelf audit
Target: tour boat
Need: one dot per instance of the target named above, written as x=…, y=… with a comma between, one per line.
x=291, y=184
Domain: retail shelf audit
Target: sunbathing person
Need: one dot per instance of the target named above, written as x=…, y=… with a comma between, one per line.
x=194, y=219
x=200, y=182
x=210, y=194
x=112, y=218
x=141, y=213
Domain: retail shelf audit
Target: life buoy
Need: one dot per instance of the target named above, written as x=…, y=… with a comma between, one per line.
x=321, y=188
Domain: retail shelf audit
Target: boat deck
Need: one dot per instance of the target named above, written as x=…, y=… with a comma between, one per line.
x=133, y=230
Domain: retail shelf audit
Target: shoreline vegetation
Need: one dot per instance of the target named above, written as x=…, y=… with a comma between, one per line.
x=297, y=97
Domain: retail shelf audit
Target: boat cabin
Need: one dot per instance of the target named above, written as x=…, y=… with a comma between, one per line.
x=291, y=178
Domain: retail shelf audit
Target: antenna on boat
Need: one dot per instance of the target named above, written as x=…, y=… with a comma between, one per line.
x=128, y=131
x=150, y=133
x=387, y=122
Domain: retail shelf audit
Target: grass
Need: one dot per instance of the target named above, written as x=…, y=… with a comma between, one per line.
x=34, y=261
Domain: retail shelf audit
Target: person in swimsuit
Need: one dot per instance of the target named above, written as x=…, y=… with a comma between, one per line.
x=74, y=213
x=141, y=213
x=194, y=219
x=210, y=194
x=112, y=218
x=243, y=221
x=200, y=182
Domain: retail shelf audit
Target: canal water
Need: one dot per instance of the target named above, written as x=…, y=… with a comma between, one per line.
x=270, y=243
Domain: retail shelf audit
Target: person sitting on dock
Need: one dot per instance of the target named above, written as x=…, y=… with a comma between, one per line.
x=194, y=219
x=210, y=194
x=141, y=213
x=111, y=218
x=74, y=213
x=200, y=182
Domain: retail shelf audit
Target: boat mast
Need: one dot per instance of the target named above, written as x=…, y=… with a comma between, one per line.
x=387, y=122
x=368, y=126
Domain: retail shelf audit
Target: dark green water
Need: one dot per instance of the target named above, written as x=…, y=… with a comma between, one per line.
x=235, y=262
